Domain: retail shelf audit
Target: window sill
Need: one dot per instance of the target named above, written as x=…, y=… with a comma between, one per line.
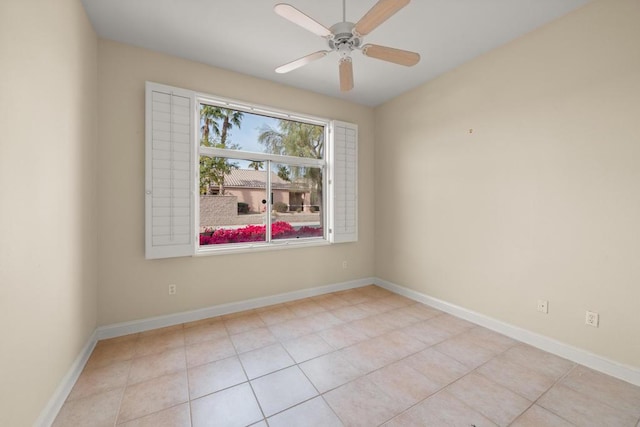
x=237, y=248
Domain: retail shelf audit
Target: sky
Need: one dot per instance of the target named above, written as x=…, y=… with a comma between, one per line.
x=247, y=135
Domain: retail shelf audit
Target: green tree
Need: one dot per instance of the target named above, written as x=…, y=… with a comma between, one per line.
x=293, y=139
x=206, y=166
x=209, y=116
x=216, y=124
x=230, y=118
x=256, y=165
x=213, y=170
x=284, y=173
x=300, y=140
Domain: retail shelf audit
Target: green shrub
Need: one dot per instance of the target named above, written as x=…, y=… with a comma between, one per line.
x=280, y=207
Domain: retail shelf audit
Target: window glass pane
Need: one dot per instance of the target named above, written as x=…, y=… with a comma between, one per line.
x=233, y=201
x=240, y=130
x=241, y=197
x=297, y=202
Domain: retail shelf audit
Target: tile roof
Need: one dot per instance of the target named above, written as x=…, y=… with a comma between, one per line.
x=249, y=178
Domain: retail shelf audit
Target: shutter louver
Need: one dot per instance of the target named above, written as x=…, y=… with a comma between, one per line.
x=344, y=182
x=169, y=172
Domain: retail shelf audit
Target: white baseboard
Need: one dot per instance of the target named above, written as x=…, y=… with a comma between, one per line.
x=583, y=357
x=119, y=329
x=49, y=413
x=624, y=372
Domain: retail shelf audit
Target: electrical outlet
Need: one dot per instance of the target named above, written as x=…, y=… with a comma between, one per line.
x=344, y=264
x=592, y=319
x=173, y=289
x=543, y=306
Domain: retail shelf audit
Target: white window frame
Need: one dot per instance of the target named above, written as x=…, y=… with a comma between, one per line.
x=336, y=166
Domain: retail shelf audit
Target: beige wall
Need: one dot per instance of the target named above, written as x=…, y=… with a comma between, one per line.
x=542, y=199
x=48, y=249
x=134, y=288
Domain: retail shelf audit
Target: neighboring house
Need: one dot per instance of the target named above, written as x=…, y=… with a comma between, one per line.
x=249, y=185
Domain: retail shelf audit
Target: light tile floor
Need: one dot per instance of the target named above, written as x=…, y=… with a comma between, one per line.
x=362, y=357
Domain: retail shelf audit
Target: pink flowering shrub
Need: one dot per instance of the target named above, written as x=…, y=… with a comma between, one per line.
x=256, y=233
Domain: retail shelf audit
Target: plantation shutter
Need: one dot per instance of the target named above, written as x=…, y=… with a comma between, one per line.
x=169, y=172
x=344, y=182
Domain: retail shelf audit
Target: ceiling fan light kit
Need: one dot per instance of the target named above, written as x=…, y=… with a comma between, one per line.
x=344, y=37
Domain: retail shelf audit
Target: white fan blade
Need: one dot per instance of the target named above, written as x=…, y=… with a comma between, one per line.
x=379, y=13
x=294, y=15
x=346, y=74
x=397, y=56
x=301, y=62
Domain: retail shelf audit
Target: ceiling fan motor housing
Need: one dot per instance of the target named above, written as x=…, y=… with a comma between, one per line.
x=344, y=40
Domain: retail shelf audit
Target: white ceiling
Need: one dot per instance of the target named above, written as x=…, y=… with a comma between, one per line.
x=248, y=37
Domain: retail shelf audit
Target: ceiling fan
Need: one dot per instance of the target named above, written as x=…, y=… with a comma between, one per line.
x=344, y=37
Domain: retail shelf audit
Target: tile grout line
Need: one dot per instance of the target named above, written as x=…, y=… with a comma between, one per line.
x=236, y=354
x=432, y=346
x=186, y=364
x=500, y=385
x=296, y=364
x=126, y=384
x=320, y=395
x=153, y=378
x=255, y=396
x=382, y=367
x=560, y=378
x=564, y=376
x=417, y=320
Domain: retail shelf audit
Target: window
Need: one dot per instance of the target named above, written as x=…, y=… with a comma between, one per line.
x=222, y=176
x=261, y=177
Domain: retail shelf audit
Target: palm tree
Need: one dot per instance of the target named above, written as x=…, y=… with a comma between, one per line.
x=209, y=116
x=230, y=118
x=213, y=170
x=300, y=140
x=256, y=165
x=284, y=173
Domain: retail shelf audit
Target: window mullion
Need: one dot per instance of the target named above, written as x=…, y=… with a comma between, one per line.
x=248, y=155
x=269, y=202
